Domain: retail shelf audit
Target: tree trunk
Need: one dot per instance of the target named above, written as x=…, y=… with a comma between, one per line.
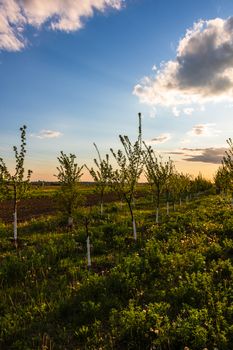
x=88, y=253
x=70, y=222
x=174, y=207
x=101, y=208
x=133, y=221
x=15, y=225
x=168, y=213
x=15, y=215
x=102, y=203
x=134, y=230
x=157, y=215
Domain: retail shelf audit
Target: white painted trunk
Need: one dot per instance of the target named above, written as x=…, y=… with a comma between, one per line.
x=88, y=252
x=15, y=225
x=180, y=202
x=167, y=208
x=70, y=221
x=134, y=230
x=157, y=215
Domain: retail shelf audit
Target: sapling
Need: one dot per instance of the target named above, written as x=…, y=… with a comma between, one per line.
x=182, y=185
x=86, y=217
x=228, y=164
x=86, y=223
x=222, y=180
x=15, y=186
x=158, y=173
x=69, y=174
x=101, y=175
x=200, y=185
x=130, y=166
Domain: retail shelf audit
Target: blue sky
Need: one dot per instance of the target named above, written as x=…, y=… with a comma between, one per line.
x=79, y=72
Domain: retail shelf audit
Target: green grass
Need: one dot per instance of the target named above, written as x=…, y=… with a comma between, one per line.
x=171, y=289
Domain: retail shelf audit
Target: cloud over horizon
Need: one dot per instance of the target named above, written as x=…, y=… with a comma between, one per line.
x=63, y=15
x=203, y=130
x=160, y=139
x=205, y=155
x=212, y=155
x=47, y=134
x=202, y=70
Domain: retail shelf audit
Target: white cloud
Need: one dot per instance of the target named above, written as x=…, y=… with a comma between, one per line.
x=64, y=15
x=153, y=112
x=176, y=111
x=201, y=72
x=203, y=130
x=160, y=139
x=47, y=134
x=188, y=110
x=11, y=23
x=202, y=109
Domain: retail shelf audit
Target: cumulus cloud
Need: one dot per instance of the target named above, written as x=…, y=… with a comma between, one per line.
x=64, y=15
x=160, y=139
x=202, y=70
x=47, y=134
x=205, y=155
x=203, y=130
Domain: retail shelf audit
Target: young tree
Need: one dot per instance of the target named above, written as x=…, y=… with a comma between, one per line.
x=157, y=174
x=173, y=189
x=182, y=186
x=69, y=174
x=15, y=186
x=130, y=166
x=228, y=158
x=101, y=175
x=200, y=184
x=227, y=163
x=222, y=180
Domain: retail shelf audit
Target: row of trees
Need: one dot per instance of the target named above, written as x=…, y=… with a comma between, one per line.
x=224, y=175
x=132, y=159
x=161, y=175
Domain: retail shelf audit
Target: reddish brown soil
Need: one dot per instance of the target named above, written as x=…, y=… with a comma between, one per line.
x=34, y=207
x=27, y=209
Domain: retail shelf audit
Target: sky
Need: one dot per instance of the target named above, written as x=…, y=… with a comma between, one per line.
x=79, y=71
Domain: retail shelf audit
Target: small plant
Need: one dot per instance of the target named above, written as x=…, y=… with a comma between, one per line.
x=69, y=174
x=228, y=165
x=158, y=173
x=101, y=175
x=130, y=166
x=15, y=186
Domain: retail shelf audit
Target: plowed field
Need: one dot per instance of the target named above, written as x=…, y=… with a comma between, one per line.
x=34, y=207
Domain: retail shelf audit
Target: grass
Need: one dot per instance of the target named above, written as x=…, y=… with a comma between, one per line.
x=171, y=289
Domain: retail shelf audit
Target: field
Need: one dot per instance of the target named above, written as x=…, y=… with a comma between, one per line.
x=169, y=290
